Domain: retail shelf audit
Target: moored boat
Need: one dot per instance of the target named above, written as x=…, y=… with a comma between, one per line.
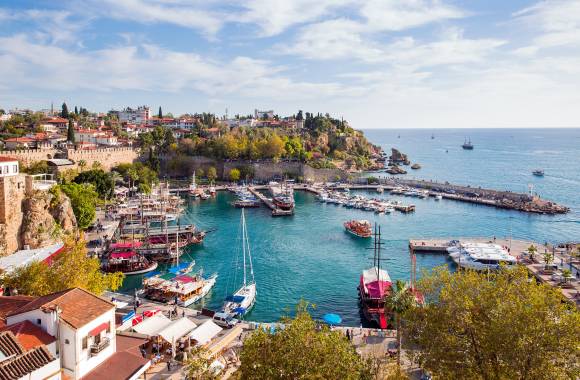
x=359, y=228
x=538, y=173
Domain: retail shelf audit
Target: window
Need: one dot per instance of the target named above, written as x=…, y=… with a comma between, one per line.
x=38, y=321
x=85, y=342
x=66, y=341
x=15, y=168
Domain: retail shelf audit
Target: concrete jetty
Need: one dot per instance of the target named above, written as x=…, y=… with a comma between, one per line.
x=268, y=202
x=518, y=249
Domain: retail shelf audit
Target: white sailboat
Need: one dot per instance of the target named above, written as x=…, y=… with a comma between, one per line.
x=239, y=303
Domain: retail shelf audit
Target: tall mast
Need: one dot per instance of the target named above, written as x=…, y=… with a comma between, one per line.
x=249, y=254
x=244, y=244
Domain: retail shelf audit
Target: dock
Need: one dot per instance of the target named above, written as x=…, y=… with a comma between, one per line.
x=518, y=249
x=268, y=202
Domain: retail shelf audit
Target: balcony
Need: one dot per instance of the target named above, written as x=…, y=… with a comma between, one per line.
x=98, y=347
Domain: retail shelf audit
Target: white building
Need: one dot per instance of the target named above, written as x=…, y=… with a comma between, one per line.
x=84, y=327
x=9, y=166
x=5, y=117
x=97, y=137
x=137, y=116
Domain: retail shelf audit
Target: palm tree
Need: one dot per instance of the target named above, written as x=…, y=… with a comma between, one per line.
x=82, y=164
x=398, y=301
x=532, y=250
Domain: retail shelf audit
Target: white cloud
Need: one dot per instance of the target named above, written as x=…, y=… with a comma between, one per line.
x=150, y=68
x=188, y=14
x=558, y=21
x=275, y=16
x=396, y=15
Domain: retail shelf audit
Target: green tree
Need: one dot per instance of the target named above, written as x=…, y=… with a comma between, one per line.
x=197, y=365
x=101, y=181
x=82, y=165
x=83, y=199
x=532, y=251
x=497, y=325
x=64, y=111
x=71, y=268
x=199, y=172
x=234, y=175
x=160, y=115
x=76, y=111
x=300, y=351
x=70, y=132
x=211, y=174
x=399, y=300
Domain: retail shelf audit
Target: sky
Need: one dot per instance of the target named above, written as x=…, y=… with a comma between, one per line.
x=377, y=63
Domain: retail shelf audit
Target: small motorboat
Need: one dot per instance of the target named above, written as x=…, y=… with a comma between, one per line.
x=538, y=173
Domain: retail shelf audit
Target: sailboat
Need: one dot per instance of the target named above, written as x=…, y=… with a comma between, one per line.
x=241, y=301
x=467, y=145
x=374, y=286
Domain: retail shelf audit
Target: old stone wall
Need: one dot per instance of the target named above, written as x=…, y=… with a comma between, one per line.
x=12, y=193
x=107, y=157
x=29, y=156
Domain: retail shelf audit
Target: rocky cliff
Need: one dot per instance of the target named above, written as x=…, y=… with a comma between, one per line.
x=44, y=214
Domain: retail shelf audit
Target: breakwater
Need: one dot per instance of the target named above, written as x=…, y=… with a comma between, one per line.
x=478, y=195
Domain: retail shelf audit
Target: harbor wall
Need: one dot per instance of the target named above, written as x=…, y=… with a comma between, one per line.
x=262, y=170
x=107, y=157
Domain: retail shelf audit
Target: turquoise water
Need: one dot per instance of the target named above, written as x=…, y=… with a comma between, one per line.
x=309, y=255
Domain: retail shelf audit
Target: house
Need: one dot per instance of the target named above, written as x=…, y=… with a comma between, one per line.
x=179, y=133
x=9, y=167
x=24, y=142
x=23, y=356
x=96, y=136
x=57, y=122
x=5, y=117
x=83, y=328
x=139, y=115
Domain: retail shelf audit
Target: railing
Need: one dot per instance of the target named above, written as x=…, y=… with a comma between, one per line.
x=98, y=347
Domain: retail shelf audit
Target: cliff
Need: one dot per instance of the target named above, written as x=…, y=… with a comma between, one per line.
x=44, y=213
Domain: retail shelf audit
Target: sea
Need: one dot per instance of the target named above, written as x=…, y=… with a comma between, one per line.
x=310, y=257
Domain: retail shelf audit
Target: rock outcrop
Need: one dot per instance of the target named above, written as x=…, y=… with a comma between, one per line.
x=398, y=158
x=43, y=215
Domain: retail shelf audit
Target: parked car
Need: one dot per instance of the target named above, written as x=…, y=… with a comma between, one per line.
x=224, y=320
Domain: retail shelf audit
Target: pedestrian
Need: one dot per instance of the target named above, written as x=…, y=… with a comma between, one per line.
x=169, y=365
x=347, y=334
x=183, y=313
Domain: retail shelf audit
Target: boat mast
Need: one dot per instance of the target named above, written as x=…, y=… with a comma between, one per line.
x=244, y=244
x=249, y=253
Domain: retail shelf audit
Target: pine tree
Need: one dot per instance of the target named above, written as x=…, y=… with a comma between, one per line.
x=160, y=113
x=64, y=112
x=76, y=110
x=70, y=133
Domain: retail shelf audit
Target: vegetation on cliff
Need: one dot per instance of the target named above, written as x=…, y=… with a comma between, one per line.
x=71, y=268
x=324, y=142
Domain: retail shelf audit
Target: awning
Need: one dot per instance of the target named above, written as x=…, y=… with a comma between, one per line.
x=152, y=326
x=206, y=332
x=177, y=330
x=126, y=245
x=97, y=330
x=123, y=255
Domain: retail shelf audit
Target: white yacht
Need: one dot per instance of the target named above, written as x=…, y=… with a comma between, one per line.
x=480, y=256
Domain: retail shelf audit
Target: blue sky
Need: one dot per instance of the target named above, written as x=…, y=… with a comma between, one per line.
x=377, y=63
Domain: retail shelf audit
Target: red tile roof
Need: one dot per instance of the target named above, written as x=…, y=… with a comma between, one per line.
x=8, y=304
x=58, y=120
x=78, y=307
x=29, y=335
x=20, y=139
x=8, y=159
x=120, y=366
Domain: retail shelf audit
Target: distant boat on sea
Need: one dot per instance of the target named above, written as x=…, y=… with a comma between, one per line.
x=467, y=145
x=432, y=137
x=538, y=173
